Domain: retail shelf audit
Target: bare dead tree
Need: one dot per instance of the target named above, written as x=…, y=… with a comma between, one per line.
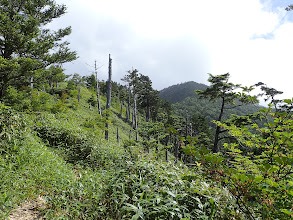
x=98, y=89
x=109, y=89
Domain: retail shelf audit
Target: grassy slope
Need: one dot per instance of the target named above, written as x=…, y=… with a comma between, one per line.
x=65, y=159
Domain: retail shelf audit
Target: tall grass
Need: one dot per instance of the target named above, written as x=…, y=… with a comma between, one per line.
x=64, y=158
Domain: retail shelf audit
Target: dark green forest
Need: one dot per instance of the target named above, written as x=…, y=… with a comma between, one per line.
x=186, y=101
x=78, y=147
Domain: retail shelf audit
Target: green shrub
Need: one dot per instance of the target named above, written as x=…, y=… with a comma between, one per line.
x=27, y=167
x=41, y=101
x=59, y=107
x=18, y=99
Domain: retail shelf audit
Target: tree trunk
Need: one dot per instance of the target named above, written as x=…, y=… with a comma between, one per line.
x=157, y=147
x=186, y=125
x=132, y=118
x=2, y=89
x=166, y=150
x=218, y=129
x=98, y=89
x=130, y=132
x=78, y=96
x=191, y=131
x=176, y=150
x=148, y=113
x=118, y=138
x=32, y=82
x=129, y=100
x=109, y=88
x=135, y=116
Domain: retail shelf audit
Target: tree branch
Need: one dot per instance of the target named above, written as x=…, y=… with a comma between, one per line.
x=227, y=137
x=222, y=131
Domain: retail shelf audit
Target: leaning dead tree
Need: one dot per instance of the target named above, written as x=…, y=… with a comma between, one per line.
x=109, y=88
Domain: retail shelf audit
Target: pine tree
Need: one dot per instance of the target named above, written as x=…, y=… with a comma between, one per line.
x=227, y=93
x=26, y=45
x=147, y=95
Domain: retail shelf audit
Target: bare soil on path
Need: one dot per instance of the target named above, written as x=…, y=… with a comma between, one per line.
x=29, y=210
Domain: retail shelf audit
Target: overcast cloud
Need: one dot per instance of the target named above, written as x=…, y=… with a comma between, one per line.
x=175, y=41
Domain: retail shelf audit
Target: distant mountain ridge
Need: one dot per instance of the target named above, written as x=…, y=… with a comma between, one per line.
x=179, y=92
x=183, y=99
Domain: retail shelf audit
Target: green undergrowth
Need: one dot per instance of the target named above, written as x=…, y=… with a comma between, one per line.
x=27, y=167
x=64, y=158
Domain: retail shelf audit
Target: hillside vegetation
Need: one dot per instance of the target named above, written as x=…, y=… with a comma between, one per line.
x=55, y=149
x=75, y=147
x=64, y=158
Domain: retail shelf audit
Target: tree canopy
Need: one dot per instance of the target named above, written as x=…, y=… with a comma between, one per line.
x=227, y=92
x=26, y=44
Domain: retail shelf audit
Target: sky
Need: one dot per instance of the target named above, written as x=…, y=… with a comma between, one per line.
x=174, y=41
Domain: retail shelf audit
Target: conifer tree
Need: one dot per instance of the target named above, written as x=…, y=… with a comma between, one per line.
x=26, y=45
x=227, y=93
x=147, y=95
x=131, y=79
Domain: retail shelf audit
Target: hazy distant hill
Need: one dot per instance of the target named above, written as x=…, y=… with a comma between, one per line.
x=183, y=98
x=179, y=92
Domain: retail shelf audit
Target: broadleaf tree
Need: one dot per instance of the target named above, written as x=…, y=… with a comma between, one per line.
x=26, y=44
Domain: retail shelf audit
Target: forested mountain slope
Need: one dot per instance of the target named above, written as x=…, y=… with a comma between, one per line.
x=179, y=92
x=186, y=101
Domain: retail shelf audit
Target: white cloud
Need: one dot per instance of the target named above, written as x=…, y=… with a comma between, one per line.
x=174, y=41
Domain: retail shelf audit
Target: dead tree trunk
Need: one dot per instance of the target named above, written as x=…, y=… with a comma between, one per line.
x=166, y=150
x=132, y=118
x=135, y=116
x=32, y=82
x=98, y=89
x=129, y=101
x=186, y=124
x=148, y=113
x=78, y=96
x=176, y=150
x=109, y=88
x=118, y=137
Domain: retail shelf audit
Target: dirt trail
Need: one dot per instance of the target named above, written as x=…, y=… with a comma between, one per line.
x=29, y=210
